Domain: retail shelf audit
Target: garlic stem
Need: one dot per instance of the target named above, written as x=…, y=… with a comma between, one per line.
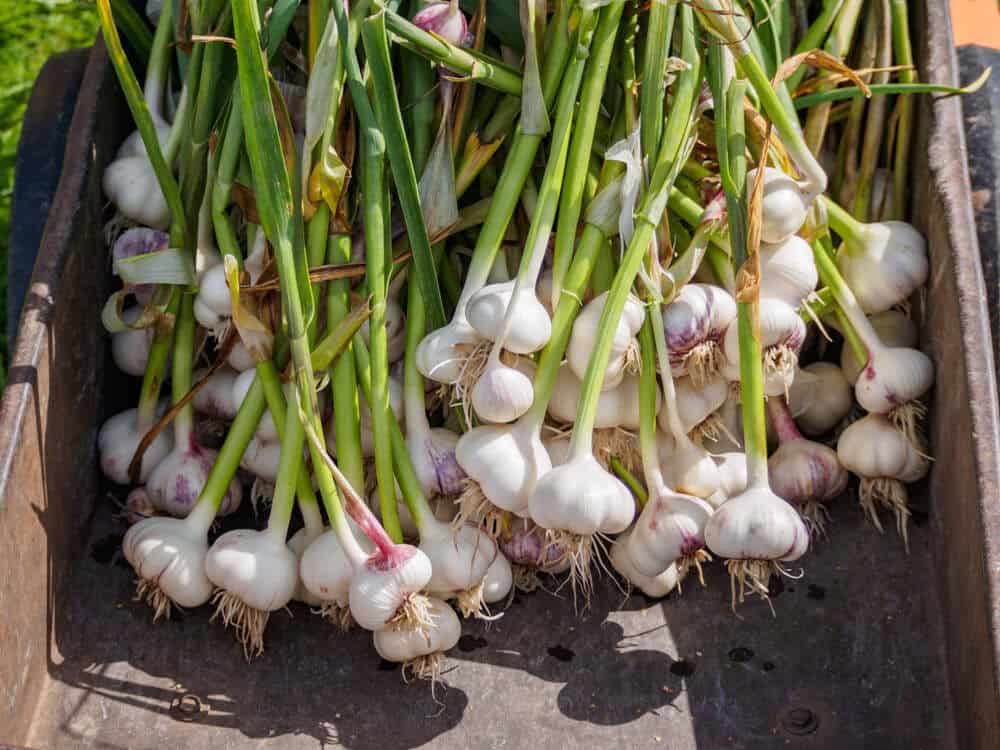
x=572, y=199
x=782, y=421
x=648, y=216
x=850, y=229
x=159, y=61
x=864, y=332
x=181, y=375
x=648, y=448
x=548, y=195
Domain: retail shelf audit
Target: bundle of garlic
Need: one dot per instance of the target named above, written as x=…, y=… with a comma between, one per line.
x=435, y=429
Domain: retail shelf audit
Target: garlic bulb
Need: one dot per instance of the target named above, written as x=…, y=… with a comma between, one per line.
x=215, y=398
x=885, y=460
x=441, y=354
x=168, y=555
x=695, y=323
x=213, y=305
x=656, y=586
x=757, y=525
x=298, y=544
x=819, y=398
x=261, y=459
x=894, y=328
x=502, y=394
x=624, y=347
x=504, y=463
x=433, y=458
x=326, y=569
x=530, y=325
x=130, y=183
x=805, y=473
x=117, y=441
x=460, y=559
x=240, y=358
x=670, y=527
x=883, y=263
x=582, y=498
x=177, y=481
x=130, y=348
x=444, y=19
x=616, y=407
x=782, y=333
x=499, y=580
x=697, y=405
x=255, y=571
x=687, y=467
x=785, y=205
x=385, y=583
x=526, y=545
x=732, y=476
x=420, y=648
x=893, y=377
x=130, y=243
x=787, y=271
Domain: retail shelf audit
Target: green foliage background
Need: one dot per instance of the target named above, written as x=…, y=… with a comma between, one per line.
x=30, y=31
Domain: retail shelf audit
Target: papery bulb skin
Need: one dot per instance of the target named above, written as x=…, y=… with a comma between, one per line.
x=784, y=207
x=803, y=471
x=130, y=183
x=888, y=266
x=383, y=584
x=788, y=271
x=117, y=442
x=894, y=328
x=616, y=407
x=177, y=481
x=459, y=558
x=526, y=545
x=782, y=333
x=530, y=325
x=757, y=525
x=502, y=394
x=655, y=587
x=261, y=459
x=433, y=459
x=445, y=20
x=170, y=553
x=505, y=462
x=255, y=566
x=694, y=324
x=624, y=348
x=499, y=580
x=215, y=398
x=893, y=377
x=326, y=570
x=406, y=643
x=298, y=544
x=581, y=497
x=670, y=526
x=441, y=354
x=395, y=326
x=240, y=358
x=872, y=447
x=819, y=398
x=130, y=348
x=696, y=404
